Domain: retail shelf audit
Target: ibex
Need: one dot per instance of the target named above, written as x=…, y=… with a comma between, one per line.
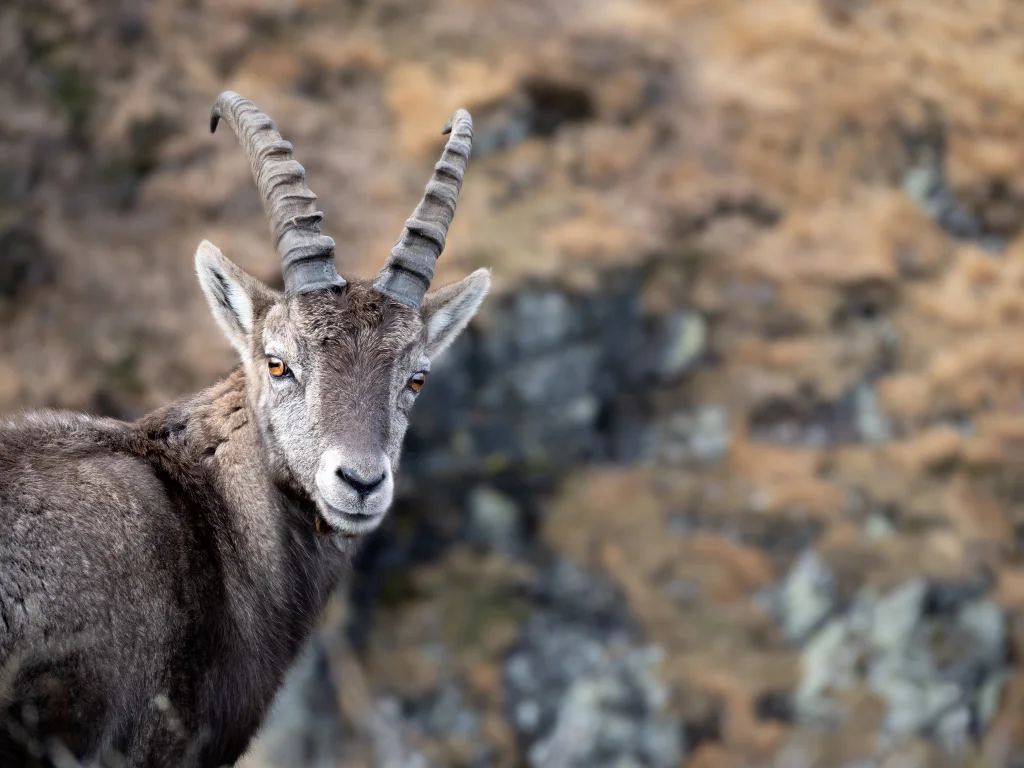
x=159, y=577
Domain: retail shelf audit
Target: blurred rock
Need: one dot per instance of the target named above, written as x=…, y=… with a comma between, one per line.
x=571, y=372
x=25, y=262
x=747, y=388
x=936, y=672
x=872, y=424
x=702, y=435
x=302, y=725
x=611, y=718
x=580, y=691
x=579, y=595
x=494, y=520
x=687, y=341
x=808, y=597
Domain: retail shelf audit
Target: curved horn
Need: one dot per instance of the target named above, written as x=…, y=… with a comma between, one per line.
x=408, y=271
x=307, y=256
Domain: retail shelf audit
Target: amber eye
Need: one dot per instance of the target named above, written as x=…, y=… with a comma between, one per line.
x=417, y=380
x=277, y=366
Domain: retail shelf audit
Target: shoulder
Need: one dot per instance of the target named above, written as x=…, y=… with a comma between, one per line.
x=54, y=431
x=51, y=450
x=68, y=479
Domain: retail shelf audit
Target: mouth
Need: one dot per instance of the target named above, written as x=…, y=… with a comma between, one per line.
x=333, y=521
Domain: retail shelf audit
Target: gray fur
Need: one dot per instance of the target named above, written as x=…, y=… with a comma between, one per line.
x=158, y=578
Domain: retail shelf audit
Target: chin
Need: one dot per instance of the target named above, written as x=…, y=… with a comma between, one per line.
x=365, y=519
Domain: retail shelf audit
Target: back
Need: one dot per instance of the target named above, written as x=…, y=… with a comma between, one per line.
x=84, y=527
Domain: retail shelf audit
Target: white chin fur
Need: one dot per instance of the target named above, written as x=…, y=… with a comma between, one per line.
x=349, y=524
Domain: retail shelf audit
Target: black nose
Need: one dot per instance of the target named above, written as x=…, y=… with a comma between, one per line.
x=361, y=485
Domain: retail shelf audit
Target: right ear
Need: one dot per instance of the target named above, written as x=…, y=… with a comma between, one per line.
x=235, y=297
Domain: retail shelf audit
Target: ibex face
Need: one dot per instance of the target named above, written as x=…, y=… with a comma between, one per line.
x=333, y=367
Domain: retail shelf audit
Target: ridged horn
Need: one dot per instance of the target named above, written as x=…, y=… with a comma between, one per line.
x=307, y=256
x=409, y=269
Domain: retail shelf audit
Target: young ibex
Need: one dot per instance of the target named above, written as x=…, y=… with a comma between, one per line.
x=157, y=578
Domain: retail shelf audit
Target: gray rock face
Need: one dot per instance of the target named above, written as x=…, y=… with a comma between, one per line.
x=807, y=597
x=446, y=713
x=303, y=725
x=25, y=263
x=702, y=435
x=494, y=520
x=559, y=378
x=581, y=691
x=872, y=424
x=926, y=184
x=610, y=717
x=686, y=340
x=935, y=655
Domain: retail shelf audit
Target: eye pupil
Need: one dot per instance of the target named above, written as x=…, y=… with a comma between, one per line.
x=417, y=381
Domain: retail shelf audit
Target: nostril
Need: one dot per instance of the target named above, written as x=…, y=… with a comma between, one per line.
x=359, y=484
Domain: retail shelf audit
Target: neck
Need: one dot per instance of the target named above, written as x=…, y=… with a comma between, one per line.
x=215, y=434
x=263, y=519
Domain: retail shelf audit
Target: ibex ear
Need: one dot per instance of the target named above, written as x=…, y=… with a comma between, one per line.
x=448, y=310
x=235, y=297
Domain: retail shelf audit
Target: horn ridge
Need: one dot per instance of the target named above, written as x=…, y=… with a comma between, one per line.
x=307, y=255
x=407, y=273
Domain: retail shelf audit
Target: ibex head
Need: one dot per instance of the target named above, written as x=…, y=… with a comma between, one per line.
x=333, y=366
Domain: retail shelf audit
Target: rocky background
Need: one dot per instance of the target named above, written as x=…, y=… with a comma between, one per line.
x=728, y=472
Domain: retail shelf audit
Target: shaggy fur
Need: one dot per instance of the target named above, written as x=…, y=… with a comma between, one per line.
x=158, y=578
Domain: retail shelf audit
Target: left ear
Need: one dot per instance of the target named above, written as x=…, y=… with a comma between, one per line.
x=235, y=297
x=447, y=311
